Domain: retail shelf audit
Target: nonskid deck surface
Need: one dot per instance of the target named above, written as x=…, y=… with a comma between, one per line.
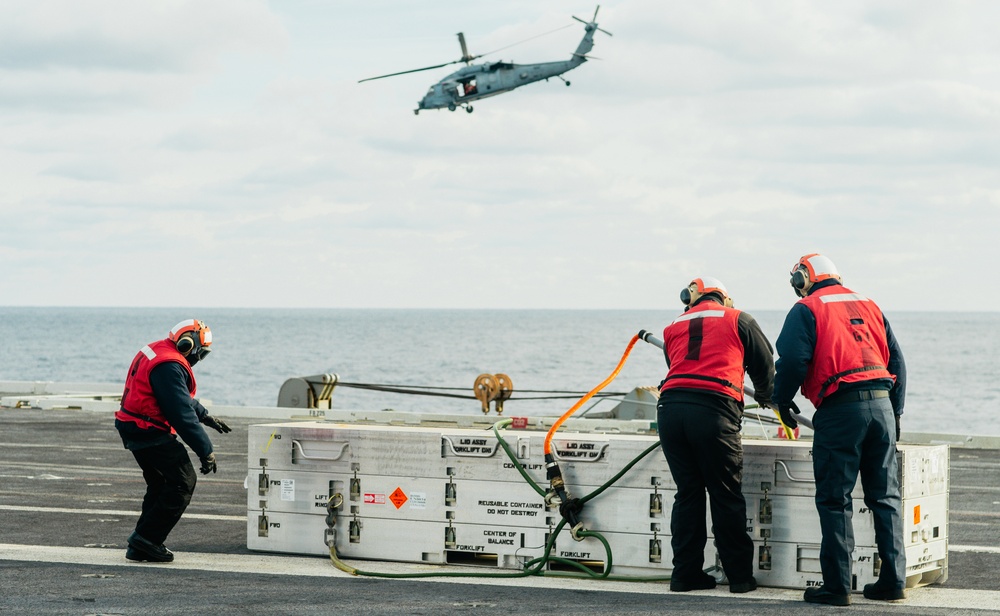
x=70, y=495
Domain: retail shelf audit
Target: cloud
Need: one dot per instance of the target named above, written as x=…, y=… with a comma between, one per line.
x=91, y=55
x=231, y=141
x=168, y=36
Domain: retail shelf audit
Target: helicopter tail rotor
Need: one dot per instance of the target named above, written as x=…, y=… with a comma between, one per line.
x=592, y=24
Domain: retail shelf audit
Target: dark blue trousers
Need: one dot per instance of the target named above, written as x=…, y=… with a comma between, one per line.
x=851, y=438
x=170, y=480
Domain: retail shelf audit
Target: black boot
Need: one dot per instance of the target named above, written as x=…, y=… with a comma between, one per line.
x=881, y=593
x=742, y=587
x=141, y=549
x=705, y=582
x=819, y=594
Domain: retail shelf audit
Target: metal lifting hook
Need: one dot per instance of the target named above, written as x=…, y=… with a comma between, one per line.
x=494, y=388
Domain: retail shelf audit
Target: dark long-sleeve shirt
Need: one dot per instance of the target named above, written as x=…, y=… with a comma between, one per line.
x=795, y=346
x=169, y=381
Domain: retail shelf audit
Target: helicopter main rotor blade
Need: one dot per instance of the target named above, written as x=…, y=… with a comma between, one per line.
x=489, y=53
x=465, y=50
x=415, y=70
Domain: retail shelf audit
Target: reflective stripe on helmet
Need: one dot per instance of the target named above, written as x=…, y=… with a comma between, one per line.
x=817, y=267
x=203, y=337
x=707, y=284
x=180, y=328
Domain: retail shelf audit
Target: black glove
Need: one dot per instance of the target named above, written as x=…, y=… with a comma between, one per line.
x=785, y=412
x=897, y=427
x=208, y=464
x=764, y=403
x=216, y=424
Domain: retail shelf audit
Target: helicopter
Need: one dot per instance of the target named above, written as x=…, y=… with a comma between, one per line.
x=477, y=81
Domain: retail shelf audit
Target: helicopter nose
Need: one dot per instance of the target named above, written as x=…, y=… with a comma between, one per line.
x=428, y=102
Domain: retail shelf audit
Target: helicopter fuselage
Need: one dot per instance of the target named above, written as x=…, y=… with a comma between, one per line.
x=478, y=81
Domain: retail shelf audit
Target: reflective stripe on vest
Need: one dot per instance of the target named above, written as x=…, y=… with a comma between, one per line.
x=846, y=297
x=707, y=314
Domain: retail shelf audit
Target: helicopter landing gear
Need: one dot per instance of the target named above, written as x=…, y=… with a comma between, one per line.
x=564, y=80
x=416, y=112
x=567, y=84
x=468, y=109
x=451, y=107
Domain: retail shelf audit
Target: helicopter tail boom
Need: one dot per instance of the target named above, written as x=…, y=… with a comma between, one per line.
x=587, y=43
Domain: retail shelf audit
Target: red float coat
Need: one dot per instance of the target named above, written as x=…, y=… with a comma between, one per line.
x=139, y=405
x=705, y=351
x=850, y=342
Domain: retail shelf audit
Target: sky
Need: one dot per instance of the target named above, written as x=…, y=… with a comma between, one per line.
x=223, y=154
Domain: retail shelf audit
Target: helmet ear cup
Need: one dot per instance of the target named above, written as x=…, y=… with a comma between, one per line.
x=185, y=344
x=800, y=282
x=686, y=296
x=799, y=279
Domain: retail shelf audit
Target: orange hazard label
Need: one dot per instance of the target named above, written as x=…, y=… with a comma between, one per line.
x=398, y=497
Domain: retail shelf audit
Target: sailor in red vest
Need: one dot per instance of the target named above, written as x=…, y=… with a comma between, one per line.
x=838, y=347
x=708, y=349
x=157, y=406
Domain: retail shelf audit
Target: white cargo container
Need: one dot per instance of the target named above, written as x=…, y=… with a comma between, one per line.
x=449, y=495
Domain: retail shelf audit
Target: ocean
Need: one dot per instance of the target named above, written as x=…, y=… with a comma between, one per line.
x=952, y=359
